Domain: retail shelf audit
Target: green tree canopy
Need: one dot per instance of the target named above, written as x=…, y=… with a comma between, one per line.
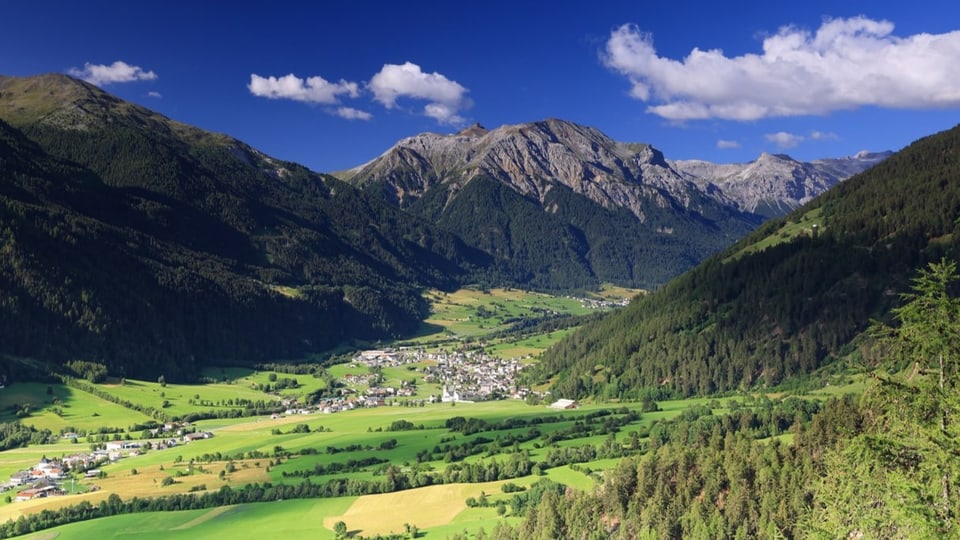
x=899, y=478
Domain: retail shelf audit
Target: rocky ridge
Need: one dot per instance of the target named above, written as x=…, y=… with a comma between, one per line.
x=775, y=184
x=534, y=157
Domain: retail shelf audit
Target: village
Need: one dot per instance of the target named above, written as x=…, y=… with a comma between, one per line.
x=49, y=476
x=468, y=376
x=464, y=376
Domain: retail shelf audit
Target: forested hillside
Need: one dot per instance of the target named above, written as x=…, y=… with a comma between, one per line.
x=155, y=247
x=792, y=296
x=880, y=465
x=577, y=245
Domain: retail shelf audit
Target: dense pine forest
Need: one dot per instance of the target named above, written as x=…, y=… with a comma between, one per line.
x=788, y=299
x=578, y=244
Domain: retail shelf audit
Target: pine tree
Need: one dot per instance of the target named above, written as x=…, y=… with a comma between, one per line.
x=898, y=479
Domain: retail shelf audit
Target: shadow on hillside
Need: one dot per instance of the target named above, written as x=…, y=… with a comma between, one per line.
x=426, y=330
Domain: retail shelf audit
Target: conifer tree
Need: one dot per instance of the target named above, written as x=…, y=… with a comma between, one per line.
x=899, y=478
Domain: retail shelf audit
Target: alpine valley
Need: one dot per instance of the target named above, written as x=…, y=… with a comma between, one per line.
x=792, y=374
x=156, y=247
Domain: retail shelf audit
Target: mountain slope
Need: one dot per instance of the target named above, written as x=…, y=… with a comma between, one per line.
x=156, y=247
x=571, y=207
x=785, y=300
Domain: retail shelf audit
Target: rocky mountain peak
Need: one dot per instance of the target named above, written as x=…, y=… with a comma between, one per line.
x=531, y=158
x=476, y=130
x=766, y=157
x=539, y=160
x=774, y=184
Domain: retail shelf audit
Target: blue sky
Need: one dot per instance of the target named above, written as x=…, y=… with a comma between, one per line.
x=334, y=84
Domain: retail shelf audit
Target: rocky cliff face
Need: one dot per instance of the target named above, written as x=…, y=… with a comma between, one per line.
x=534, y=158
x=554, y=194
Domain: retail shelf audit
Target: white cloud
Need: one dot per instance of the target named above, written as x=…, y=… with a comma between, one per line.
x=352, y=114
x=444, y=114
x=824, y=136
x=446, y=98
x=310, y=90
x=155, y=95
x=117, y=72
x=783, y=139
x=724, y=144
x=847, y=63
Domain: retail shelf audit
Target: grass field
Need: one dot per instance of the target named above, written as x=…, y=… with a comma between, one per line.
x=472, y=313
x=809, y=224
x=181, y=399
x=438, y=511
x=292, y=520
x=57, y=407
x=250, y=378
x=424, y=507
x=300, y=519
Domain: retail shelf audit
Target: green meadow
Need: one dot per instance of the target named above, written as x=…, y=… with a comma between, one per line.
x=470, y=314
x=283, y=519
x=57, y=407
x=181, y=399
x=809, y=224
x=296, y=443
x=293, y=448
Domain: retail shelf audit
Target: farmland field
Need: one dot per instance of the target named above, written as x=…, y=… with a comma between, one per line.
x=425, y=507
x=55, y=407
x=283, y=519
x=469, y=314
x=439, y=510
x=180, y=399
x=426, y=446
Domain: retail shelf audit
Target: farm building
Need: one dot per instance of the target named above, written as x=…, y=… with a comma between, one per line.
x=564, y=404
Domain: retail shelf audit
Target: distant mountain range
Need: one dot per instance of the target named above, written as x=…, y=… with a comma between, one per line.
x=563, y=205
x=775, y=184
x=155, y=247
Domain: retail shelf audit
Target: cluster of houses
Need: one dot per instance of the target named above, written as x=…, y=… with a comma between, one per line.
x=466, y=376
x=45, y=479
x=385, y=358
x=374, y=396
x=173, y=433
x=474, y=376
x=596, y=303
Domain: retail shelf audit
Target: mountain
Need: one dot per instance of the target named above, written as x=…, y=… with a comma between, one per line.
x=561, y=205
x=775, y=184
x=795, y=295
x=557, y=204
x=157, y=248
